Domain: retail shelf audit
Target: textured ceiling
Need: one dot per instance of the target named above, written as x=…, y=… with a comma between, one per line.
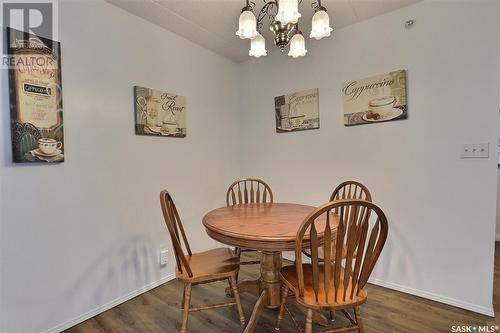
x=212, y=23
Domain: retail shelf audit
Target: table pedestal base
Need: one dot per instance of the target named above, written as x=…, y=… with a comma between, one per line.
x=268, y=289
x=270, y=281
x=270, y=265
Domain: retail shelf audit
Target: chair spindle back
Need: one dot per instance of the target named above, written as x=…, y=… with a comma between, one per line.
x=250, y=190
x=176, y=231
x=351, y=190
x=363, y=247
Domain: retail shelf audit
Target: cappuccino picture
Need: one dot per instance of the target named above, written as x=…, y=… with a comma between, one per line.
x=375, y=99
x=36, y=108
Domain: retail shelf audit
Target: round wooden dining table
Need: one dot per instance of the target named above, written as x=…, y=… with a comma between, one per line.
x=269, y=228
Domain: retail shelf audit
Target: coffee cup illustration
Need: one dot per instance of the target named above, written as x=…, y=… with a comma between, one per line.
x=382, y=105
x=49, y=146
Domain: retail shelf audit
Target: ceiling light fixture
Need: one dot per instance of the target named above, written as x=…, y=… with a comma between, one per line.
x=258, y=47
x=283, y=16
x=247, y=25
x=297, y=44
x=320, y=24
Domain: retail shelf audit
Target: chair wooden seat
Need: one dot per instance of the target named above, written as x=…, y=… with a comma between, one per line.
x=336, y=281
x=216, y=264
x=290, y=278
x=197, y=268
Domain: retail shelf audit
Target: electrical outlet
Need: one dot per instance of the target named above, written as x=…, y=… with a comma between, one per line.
x=163, y=257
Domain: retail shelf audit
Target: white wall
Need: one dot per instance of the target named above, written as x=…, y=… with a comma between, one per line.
x=77, y=237
x=498, y=180
x=82, y=234
x=497, y=237
x=441, y=209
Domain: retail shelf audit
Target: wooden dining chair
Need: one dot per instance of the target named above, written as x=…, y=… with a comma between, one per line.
x=199, y=268
x=329, y=284
x=347, y=190
x=351, y=190
x=244, y=191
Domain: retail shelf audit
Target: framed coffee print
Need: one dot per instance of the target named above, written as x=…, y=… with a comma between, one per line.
x=35, y=89
x=298, y=111
x=375, y=99
x=159, y=113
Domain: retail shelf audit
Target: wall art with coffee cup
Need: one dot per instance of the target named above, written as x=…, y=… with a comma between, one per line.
x=35, y=89
x=298, y=111
x=159, y=113
x=375, y=99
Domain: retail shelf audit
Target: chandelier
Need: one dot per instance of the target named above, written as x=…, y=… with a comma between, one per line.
x=284, y=17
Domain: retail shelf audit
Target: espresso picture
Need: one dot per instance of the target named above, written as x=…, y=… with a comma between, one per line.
x=297, y=111
x=375, y=99
x=35, y=98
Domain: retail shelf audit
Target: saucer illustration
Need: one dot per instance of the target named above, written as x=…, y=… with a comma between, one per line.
x=392, y=114
x=40, y=153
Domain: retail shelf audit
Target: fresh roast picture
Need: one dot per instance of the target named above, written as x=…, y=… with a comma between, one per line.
x=159, y=113
x=35, y=98
x=375, y=99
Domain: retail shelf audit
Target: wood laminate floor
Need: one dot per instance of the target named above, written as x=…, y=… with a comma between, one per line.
x=386, y=311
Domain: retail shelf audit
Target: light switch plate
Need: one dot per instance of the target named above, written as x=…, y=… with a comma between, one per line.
x=475, y=150
x=466, y=151
x=481, y=150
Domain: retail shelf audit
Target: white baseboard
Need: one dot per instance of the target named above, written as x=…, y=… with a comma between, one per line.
x=424, y=294
x=72, y=322
x=497, y=237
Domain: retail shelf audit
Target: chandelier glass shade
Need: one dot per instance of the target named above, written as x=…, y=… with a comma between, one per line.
x=258, y=47
x=283, y=17
x=288, y=11
x=297, y=46
x=320, y=25
x=247, y=27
